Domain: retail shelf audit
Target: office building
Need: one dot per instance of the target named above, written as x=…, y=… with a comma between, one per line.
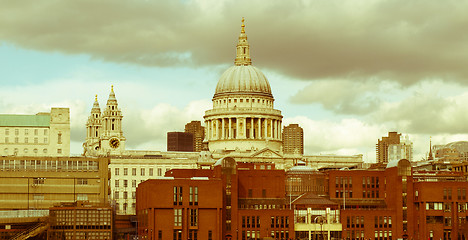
x=179, y=142
x=37, y=183
x=384, y=143
x=293, y=139
x=43, y=134
x=80, y=220
x=198, y=132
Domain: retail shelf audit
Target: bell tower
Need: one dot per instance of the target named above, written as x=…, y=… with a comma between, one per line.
x=104, y=135
x=112, y=138
x=92, y=143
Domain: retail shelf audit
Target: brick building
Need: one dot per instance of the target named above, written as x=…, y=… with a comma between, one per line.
x=398, y=202
x=229, y=201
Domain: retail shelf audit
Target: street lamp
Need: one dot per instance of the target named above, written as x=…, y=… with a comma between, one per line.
x=321, y=225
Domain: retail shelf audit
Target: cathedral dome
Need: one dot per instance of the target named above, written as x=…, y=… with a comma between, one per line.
x=243, y=79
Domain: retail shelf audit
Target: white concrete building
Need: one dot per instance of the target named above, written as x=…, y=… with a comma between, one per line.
x=403, y=150
x=43, y=134
x=130, y=170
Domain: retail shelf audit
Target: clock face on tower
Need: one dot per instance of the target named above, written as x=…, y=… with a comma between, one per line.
x=114, y=142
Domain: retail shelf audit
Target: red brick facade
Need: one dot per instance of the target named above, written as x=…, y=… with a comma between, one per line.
x=232, y=202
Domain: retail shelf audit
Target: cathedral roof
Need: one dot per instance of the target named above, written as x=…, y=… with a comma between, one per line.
x=243, y=78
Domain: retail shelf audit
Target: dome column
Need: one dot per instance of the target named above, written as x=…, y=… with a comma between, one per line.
x=230, y=130
x=273, y=125
x=238, y=130
x=259, y=128
x=223, y=130
x=251, y=129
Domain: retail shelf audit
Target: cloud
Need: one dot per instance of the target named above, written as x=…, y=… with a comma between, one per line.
x=147, y=128
x=399, y=40
x=349, y=135
x=345, y=96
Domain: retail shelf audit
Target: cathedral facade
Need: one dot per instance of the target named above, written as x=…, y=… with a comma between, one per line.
x=104, y=135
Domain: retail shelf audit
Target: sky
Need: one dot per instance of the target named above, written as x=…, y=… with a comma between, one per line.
x=348, y=72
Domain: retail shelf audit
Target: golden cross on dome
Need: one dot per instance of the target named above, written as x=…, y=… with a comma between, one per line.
x=243, y=26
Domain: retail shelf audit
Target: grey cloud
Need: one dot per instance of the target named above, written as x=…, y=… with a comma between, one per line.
x=425, y=113
x=343, y=96
x=402, y=40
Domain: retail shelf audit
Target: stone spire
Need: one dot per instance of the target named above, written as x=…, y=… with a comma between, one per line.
x=112, y=100
x=96, y=105
x=430, y=158
x=243, y=49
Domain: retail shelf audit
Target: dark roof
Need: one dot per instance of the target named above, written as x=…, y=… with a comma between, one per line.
x=313, y=199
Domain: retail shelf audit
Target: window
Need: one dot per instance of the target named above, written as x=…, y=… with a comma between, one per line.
x=177, y=195
x=151, y=171
x=193, y=195
x=160, y=235
x=6, y=140
x=134, y=183
x=16, y=131
x=82, y=197
x=177, y=235
x=264, y=193
x=125, y=195
x=36, y=140
x=116, y=195
x=26, y=131
x=250, y=193
x=210, y=235
x=133, y=171
x=177, y=217
x=142, y=172
x=35, y=131
x=59, y=138
x=116, y=183
x=133, y=195
x=82, y=181
x=125, y=183
x=38, y=197
x=125, y=171
x=116, y=171
x=193, y=217
x=59, y=151
x=45, y=132
x=37, y=181
x=16, y=140
x=159, y=172
x=26, y=140
x=7, y=131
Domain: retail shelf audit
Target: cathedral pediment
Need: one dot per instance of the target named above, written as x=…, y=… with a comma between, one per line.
x=266, y=153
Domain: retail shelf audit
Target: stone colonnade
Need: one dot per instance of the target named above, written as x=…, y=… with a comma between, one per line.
x=223, y=128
